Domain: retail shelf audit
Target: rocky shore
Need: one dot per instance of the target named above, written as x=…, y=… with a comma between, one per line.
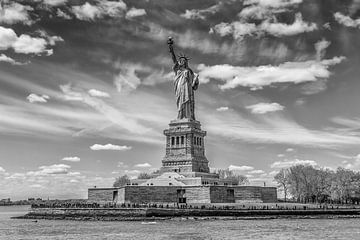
x=150, y=214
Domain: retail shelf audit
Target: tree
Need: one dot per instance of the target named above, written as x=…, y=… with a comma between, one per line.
x=121, y=181
x=282, y=179
x=230, y=175
x=144, y=175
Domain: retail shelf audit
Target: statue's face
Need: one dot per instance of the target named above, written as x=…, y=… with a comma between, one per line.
x=182, y=62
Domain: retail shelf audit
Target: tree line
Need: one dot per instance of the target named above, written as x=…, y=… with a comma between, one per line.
x=307, y=184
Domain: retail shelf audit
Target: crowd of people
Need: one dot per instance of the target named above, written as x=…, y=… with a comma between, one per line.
x=86, y=204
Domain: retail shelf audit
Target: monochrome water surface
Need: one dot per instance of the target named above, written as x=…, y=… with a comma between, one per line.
x=175, y=229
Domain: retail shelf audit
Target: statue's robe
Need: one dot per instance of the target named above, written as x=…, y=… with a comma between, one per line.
x=185, y=82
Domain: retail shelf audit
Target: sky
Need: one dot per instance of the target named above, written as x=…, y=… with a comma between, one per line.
x=86, y=88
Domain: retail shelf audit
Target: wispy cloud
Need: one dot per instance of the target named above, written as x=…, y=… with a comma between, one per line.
x=202, y=13
x=276, y=129
x=143, y=165
x=222, y=109
x=240, y=29
x=4, y=58
x=240, y=168
x=32, y=98
x=109, y=146
x=290, y=163
x=98, y=93
x=71, y=159
x=262, y=108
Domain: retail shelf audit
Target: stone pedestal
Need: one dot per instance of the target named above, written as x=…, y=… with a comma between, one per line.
x=185, y=148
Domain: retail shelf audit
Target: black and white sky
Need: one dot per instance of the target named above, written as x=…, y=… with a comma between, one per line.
x=86, y=88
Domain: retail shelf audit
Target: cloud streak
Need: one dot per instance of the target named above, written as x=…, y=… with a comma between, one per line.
x=71, y=159
x=109, y=146
x=262, y=108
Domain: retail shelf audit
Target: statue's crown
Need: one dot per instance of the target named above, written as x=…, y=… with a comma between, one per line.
x=182, y=55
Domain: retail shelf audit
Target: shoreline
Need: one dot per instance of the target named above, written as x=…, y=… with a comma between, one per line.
x=151, y=214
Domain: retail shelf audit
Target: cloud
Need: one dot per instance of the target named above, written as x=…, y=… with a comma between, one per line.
x=273, y=173
x=273, y=3
x=24, y=43
x=346, y=20
x=50, y=39
x=275, y=128
x=222, y=109
x=7, y=38
x=121, y=165
x=54, y=181
x=4, y=58
x=355, y=165
x=262, y=108
x=55, y=2
x=89, y=12
x=98, y=93
x=109, y=147
x=143, y=165
x=237, y=29
x=267, y=75
x=86, y=12
x=71, y=159
x=135, y=12
x=15, y=13
x=314, y=87
x=201, y=13
x=290, y=163
x=263, y=9
x=128, y=80
x=240, y=29
x=320, y=48
x=353, y=124
x=290, y=150
x=2, y=170
x=282, y=29
x=32, y=98
x=280, y=155
x=111, y=113
x=53, y=169
x=240, y=168
x=132, y=173
x=256, y=172
x=62, y=14
x=196, y=40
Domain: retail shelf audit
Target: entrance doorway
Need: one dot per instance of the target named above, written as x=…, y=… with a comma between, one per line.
x=115, y=196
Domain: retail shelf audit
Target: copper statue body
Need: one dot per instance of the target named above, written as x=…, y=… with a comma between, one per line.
x=185, y=83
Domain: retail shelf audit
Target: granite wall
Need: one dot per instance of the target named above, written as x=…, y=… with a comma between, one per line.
x=101, y=194
x=192, y=194
x=220, y=194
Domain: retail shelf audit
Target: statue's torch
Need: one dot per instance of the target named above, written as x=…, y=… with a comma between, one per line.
x=170, y=42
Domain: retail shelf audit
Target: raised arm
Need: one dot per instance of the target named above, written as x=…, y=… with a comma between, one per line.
x=170, y=42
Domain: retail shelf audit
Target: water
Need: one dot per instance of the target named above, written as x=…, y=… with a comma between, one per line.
x=176, y=229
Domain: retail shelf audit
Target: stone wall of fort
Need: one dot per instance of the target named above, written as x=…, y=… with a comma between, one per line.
x=101, y=194
x=191, y=194
x=200, y=194
x=219, y=194
x=150, y=194
x=269, y=194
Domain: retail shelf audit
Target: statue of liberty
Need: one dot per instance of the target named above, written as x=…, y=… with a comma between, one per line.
x=185, y=83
